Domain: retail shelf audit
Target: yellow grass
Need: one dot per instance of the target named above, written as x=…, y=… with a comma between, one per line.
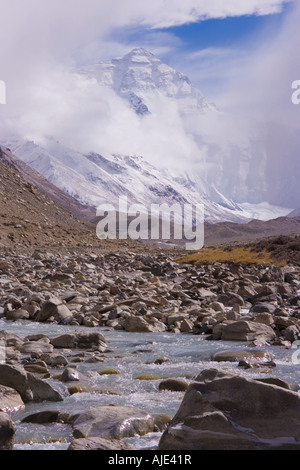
x=238, y=254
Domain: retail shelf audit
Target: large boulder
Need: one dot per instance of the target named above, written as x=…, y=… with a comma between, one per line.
x=224, y=411
x=56, y=310
x=10, y=339
x=143, y=325
x=36, y=347
x=7, y=432
x=243, y=354
x=27, y=385
x=55, y=359
x=17, y=314
x=112, y=422
x=98, y=443
x=81, y=339
x=46, y=417
x=173, y=385
x=10, y=400
x=243, y=330
x=230, y=299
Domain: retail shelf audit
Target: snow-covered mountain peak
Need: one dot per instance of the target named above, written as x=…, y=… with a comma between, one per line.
x=139, y=76
x=139, y=55
x=186, y=151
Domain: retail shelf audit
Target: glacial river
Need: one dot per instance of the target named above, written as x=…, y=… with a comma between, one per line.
x=134, y=354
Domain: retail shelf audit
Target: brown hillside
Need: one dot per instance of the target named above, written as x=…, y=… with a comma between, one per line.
x=31, y=219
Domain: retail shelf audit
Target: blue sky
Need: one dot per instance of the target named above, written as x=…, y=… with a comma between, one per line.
x=242, y=54
x=194, y=36
x=203, y=47
x=227, y=32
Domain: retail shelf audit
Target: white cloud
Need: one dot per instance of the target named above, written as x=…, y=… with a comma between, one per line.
x=41, y=39
x=176, y=12
x=59, y=27
x=261, y=87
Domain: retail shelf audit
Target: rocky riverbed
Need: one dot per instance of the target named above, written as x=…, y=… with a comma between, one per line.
x=142, y=293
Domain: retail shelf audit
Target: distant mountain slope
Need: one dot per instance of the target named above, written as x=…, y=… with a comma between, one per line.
x=93, y=179
x=294, y=213
x=225, y=232
x=227, y=157
x=70, y=204
x=198, y=154
x=29, y=218
x=139, y=77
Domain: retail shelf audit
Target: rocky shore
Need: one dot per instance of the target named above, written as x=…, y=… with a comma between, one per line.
x=139, y=292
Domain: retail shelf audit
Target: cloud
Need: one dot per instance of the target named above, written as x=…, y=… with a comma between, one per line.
x=261, y=87
x=84, y=115
x=41, y=40
x=175, y=12
x=60, y=27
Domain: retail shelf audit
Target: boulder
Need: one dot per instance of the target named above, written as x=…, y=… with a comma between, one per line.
x=265, y=318
x=173, y=385
x=54, y=359
x=237, y=355
x=291, y=333
x=266, y=293
x=55, y=309
x=217, y=306
x=272, y=274
x=78, y=339
x=230, y=299
x=242, y=330
x=36, y=347
x=27, y=385
x=18, y=314
x=112, y=422
x=225, y=411
x=98, y=443
x=186, y=326
x=7, y=432
x=10, y=339
x=142, y=325
x=275, y=381
x=71, y=375
x=261, y=307
x=10, y=399
x=12, y=355
x=37, y=367
x=46, y=417
x=246, y=291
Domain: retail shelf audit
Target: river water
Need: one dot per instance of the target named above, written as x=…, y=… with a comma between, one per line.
x=134, y=354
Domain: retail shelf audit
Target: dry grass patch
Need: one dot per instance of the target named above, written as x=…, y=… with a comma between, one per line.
x=239, y=254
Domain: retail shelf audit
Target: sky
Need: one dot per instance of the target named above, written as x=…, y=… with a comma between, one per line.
x=211, y=41
x=208, y=50
x=242, y=54
x=205, y=40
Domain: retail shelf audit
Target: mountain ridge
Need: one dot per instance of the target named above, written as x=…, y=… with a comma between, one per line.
x=223, y=177
x=33, y=217
x=70, y=204
x=93, y=179
x=140, y=72
x=30, y=218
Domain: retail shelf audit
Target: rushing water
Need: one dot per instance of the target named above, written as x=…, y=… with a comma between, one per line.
x=134, y=354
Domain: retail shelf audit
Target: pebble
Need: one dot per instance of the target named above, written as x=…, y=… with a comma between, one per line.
x=139, y=293
x=135, y=292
